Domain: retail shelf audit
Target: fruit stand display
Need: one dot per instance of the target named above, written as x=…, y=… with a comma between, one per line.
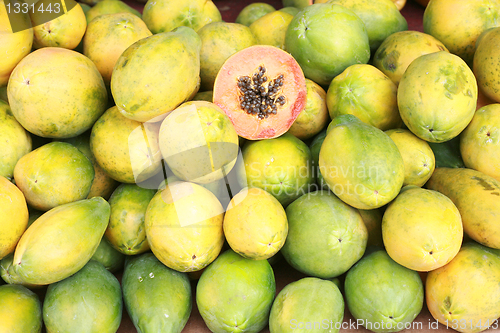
x=239, y=166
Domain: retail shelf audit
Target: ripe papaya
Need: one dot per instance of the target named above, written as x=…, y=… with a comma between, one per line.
x=20, y=310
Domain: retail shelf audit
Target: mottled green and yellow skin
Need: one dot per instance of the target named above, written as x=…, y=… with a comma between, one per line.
x=422, y=229
x=372, y=219
x=270, y=29
x=103, y=185
x=45, y=254
x=418, y=156
x=184, y=226
x=398, y=50
x=125, y=149
x=111, y=258
x=437, y=96
x=480, y=141
x=325, y=305
x=300, y=4
x=126, y=231
x=54, y=174
x=144, y=90
x=108, y=36
x=255, y=224
x=325, y=236
x=9, y=275
x=157, y=298
x=14, y=217
x=219, y=41
x=367, y=93
x=460, y=31
x=315, y=116
x=166, y=15
x=15, y=46
x=90, y=301
x=379, y=290
x=477, y=197
x=486, y=66
x=381, y=18
x=65, y=31
x=253, y=12
x=360, y=163
x=110, y=7
x=465, y=294
x=235, y=294
x=20, y=310
x=59, y=80
x=15, y=141
x=282, y=166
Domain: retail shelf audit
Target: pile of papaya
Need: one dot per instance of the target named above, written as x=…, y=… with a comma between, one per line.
x=164, y=162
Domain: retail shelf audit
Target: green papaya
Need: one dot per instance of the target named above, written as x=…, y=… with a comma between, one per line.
x=61, y=241
x=112, y=259
x=447, y=153
x=90, y=301
x=235, y=294
x=9, y=275
x=360, y=163
x=157, y=298
x=20, y=310
x=315, y=147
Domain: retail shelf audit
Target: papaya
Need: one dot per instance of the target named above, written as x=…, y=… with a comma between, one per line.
x=398, y=50
x=270, y=29
x=255, y=224
x=45, y=255
x=20, y=310
x=424, y=241
x=125, y=230
x=437, y=96
x=14, y=217
x=372, y=218
x=64, y=31
x=166, y=15
x=102, y=185
x=314, y=117
x=108, y=256
x=206, y=96
x=252, y=12
x=54, y=174
x=300, y=4
x=107, y=36
x=235, y=294
x=464, y=295
x=110, y=7
x=118, y=145
x=183, y=226
x=381, y=18
x=480, y=141
x=262, y=89
x=3, y=94
x=325, y=236
x=10, y=276
x=315, y=148
x=484, y=67
x=383, y=295
x=60, y=80
x=141, y=96
x=16, y=44
x=447, y=154
x=282, y=166
x=367, y=93
x=460, y=32
x=360, y=163
x=418, y=157
x=290, y=10
x=325, y=305
x=477, y=197
x=157, y=298
x=220, y=40
x=15, y=141
x=89, y=301
x=325, y=39
x=211, y=149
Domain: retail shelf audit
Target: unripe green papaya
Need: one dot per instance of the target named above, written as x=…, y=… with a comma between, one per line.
x=157, y=298
x=61, y=241
x=107, y=255
x=90, y=301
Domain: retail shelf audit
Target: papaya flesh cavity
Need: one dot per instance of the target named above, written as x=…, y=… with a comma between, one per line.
x=262, y=89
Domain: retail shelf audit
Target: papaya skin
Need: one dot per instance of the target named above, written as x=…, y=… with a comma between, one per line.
x=20, y=310
x=109, y=7
x=485, y=63
x=465, y=294
x=477, y=197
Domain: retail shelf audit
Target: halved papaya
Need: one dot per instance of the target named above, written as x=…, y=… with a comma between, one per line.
x=262, y=89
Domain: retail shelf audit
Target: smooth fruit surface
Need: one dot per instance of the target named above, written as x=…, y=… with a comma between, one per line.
x=485, y=67
x=20, y=310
